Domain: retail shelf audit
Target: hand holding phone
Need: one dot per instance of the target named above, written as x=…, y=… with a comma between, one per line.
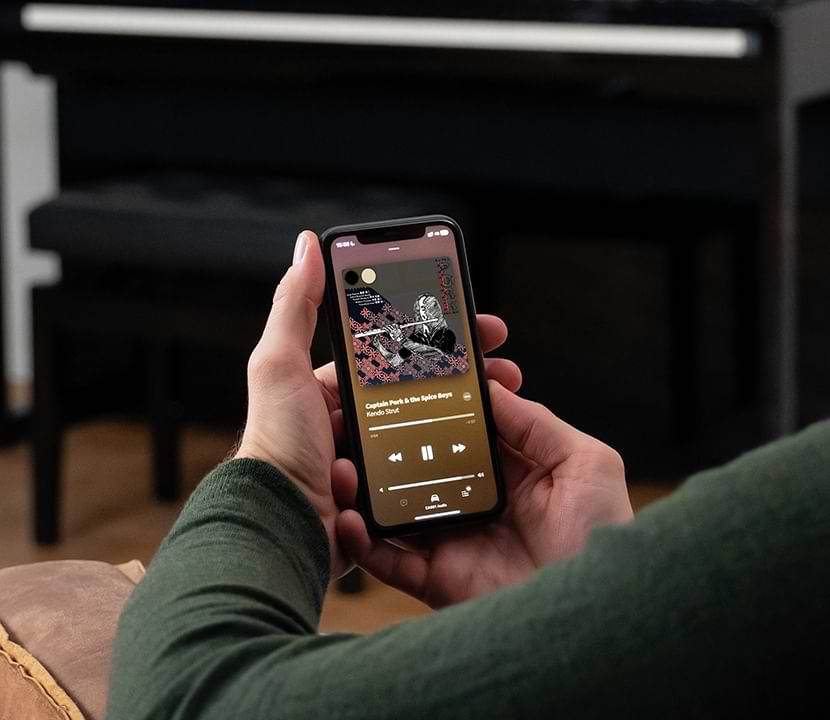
x=560, y=484
x=294, y=415
x=294, y=418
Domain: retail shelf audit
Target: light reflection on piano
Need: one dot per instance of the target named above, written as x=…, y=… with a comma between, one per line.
x=451, y=33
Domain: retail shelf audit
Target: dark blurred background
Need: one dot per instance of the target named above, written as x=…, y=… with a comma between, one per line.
x=644, y=186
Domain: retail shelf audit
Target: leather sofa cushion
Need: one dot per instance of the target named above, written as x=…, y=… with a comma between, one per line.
x=27, y=690
x=57, y=622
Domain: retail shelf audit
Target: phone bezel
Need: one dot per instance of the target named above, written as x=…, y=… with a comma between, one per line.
x=393, y=231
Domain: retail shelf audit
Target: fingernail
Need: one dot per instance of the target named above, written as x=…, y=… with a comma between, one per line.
x=299, y=248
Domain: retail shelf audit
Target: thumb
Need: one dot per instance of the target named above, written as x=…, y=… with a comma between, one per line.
x=290, y=327
x=530, y=428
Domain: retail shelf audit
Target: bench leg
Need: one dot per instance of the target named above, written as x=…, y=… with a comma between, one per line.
x=745, y=294
x=685, y=335
x=165, y=422
x=47, y=433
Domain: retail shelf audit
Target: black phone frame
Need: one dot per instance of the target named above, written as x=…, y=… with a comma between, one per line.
x=391, y=231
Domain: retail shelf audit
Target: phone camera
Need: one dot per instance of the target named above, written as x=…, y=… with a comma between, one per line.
x=351, y=277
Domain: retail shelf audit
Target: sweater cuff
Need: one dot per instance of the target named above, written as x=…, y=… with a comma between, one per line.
x=271, y=509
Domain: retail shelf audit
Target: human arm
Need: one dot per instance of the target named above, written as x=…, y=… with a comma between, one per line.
x=711, y=603
x=681, y=600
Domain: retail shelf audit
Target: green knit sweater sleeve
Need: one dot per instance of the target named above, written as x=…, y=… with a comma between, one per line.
x=692, y=609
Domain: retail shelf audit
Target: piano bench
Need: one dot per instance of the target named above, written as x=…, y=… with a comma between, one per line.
x=240, y=226
x=168, y=263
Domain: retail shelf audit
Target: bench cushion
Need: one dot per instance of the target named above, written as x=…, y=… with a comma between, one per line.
x=201, y=222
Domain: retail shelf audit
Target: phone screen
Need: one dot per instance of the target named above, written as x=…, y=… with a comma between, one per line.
x=414, y=377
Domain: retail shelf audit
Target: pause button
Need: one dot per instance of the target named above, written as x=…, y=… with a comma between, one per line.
x=426, y=452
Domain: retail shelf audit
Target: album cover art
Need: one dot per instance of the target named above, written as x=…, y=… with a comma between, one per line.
x=406, y=321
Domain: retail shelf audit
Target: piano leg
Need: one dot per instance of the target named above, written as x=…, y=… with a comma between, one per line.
x=798, y=74
x=778, y=285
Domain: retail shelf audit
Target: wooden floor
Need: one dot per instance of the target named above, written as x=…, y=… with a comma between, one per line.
x=109, y=514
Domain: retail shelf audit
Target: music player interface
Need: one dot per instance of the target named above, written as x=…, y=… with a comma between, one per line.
x=415, y=384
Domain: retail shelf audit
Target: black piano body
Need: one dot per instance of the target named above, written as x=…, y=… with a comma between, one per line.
x=511, y=104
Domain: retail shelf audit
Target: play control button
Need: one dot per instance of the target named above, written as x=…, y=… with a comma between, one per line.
x=396, y=457
x=458, y=448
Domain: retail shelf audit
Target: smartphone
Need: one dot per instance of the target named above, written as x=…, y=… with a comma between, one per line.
x=412, y=382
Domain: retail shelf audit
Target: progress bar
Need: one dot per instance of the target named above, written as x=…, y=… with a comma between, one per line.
x=456, y=478
x=426, y=517
x=425, y=32
x=420, y=422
